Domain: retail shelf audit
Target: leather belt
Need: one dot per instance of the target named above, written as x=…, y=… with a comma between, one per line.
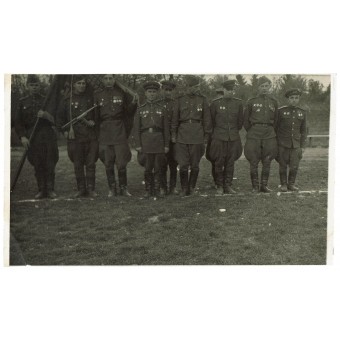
x=152, y=129
x=191, y=121
x=263, y=124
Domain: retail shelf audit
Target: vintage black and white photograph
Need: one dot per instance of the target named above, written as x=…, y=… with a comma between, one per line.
x=169, y=169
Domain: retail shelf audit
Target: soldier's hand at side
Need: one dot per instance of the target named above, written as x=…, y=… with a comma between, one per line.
x=173, y=139
x=139, y=149
x=71, y=134
x=45, y=115
x=90, y=123
x=41, y=114
x=25, y=142
x=166, y=149
x=66, y=134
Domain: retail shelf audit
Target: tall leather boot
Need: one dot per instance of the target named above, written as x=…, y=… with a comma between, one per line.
x=183, y=174
x=283, y=178
x=41, y=186
x=213, y=173
x=264, y=178
x=291, y=180
x=193, y=180
x=81, y=187
x=173, y=181
x=91, y=182
x=50, y=186
x=219, y=181
x=254, y=176
x=228, y=175
x=122, y=178
x=111, y=181
x=159, y=191
x=147, y=180
x=163, y=179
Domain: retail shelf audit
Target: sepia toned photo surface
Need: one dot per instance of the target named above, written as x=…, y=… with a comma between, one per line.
x=169, y=169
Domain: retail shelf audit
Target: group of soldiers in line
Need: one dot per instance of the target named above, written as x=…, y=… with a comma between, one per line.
x=168, y=133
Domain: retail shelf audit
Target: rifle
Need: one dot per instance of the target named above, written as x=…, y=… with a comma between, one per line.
x=78, y=118
x=23, y=157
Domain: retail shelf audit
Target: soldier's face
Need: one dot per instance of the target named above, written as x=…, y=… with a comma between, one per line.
x=228, y=93
x=167, y=93
x=264, y=88
x=33, y=88
x=108, y=80
x=151, y=94
x=79, y=86
x=294, y=99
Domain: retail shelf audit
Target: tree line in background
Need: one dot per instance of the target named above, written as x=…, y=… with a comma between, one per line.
x=314, y=91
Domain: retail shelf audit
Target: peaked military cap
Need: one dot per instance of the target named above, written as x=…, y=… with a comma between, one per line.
x=229, y=84
x=168, y=84
x=154, y=85
x=32, y=78
x=263, y=80
x=192, y=80
x=78, y=77
x=294, y=91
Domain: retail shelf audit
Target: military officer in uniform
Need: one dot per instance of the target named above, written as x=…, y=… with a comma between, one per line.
x=260, y=119
x=114, y=107
x=220, y=93
x=82, y=143
x=291, y=137
x=152, y=136
x=190, y=129
x=42, y=149
x=171, y=163
x=226, y=147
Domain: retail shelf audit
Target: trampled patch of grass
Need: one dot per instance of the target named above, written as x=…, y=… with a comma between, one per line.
x=254, y=229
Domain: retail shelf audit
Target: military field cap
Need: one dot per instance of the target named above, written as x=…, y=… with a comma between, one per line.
x=229, y=84
x=192, y=80
x=263, y=80
x=153, y=85
x=294, y=91
x=167, y=84
x=78, y=77
x=32, y=79
x=220, y=90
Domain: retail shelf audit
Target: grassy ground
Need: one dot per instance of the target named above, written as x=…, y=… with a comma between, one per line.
x=254, y=229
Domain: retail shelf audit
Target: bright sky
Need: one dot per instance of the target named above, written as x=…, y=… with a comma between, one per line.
x=325, y=80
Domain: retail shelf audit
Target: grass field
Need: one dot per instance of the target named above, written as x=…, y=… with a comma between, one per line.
x=254, y=229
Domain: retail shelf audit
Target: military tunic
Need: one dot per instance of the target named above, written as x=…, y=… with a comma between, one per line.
x=83, y=150
x=190, y=125
x=291, y=137
x=43, y=151
x=226, y=147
